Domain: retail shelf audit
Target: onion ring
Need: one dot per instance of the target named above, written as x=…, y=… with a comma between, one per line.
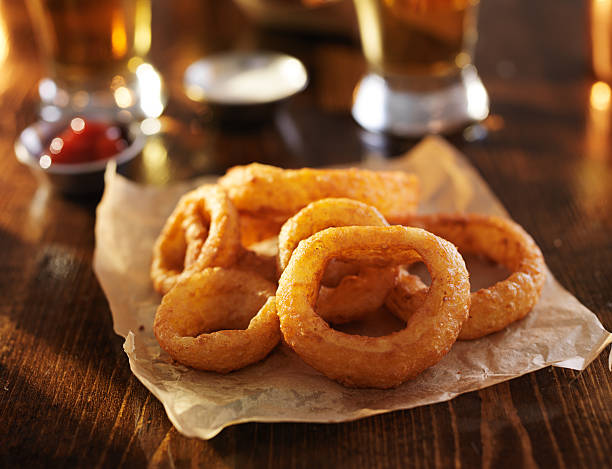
x=336, y=271
x=357, y=294
x=321, y=214
x=389, y=360
x=201, y=232
x=271, y=191
x=261, y=258
x=502, y=241
x=254, y=229
x=214, y=299
x=407, y=295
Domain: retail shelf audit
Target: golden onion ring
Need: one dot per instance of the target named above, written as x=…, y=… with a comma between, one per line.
x=268, y=191
x=380, y=362
x=201, y=232
x=261, y=258
x=356, y=294
x=218, y=320
x=257, y=228
x=500, y=240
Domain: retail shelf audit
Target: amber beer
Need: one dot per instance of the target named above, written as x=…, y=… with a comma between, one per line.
x=417, y=37
x=88, y=41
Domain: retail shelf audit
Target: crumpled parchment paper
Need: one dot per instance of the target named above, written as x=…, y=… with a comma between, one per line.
x=559, y=331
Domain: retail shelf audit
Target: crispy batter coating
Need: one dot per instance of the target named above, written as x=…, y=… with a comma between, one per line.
x=385, y=361
x=500, y=240
x=220, y=254
x=270, y=191
x=407, y=295
x=202, y=231
x=261, y=259
x=218, y=320
x=321, y=214
x=358, y=293
x=258, y=228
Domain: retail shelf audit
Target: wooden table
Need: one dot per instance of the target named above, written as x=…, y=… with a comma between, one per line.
x=67, y=396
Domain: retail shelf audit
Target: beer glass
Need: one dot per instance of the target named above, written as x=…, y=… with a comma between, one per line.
x=600, y=38
x=421, y=78
x=94, y=52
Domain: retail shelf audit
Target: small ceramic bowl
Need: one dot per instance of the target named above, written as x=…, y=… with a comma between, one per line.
x=72, y=178
x=242, y=87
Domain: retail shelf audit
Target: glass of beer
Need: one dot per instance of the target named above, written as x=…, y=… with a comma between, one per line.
x=94, y=52
x=421, y=78
x=600, y=38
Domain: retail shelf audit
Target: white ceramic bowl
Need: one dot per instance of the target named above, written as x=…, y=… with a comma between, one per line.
x=244, y=87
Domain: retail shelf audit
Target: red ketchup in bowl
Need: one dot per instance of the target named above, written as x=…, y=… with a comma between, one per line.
x=84, y=141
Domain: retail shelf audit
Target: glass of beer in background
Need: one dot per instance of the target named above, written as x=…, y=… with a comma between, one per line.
x=421, y=78
x=95, y=52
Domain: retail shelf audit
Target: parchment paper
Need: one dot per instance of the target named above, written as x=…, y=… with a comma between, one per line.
x=559, y=331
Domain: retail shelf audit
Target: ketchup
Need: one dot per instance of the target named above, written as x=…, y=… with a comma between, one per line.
x=84, y=141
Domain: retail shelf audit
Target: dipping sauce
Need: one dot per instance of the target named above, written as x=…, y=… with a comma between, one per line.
x=84, y=141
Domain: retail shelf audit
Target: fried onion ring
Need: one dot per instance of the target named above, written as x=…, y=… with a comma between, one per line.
x=207, y=320
x=270, y=191
x=407, y=295
x=380, y=362
x=202, y=231
x=356, y=294
x=500, y=240
x=261, y=258
x=258, y=228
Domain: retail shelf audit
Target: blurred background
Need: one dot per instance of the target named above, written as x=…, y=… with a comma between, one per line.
x=534, y=60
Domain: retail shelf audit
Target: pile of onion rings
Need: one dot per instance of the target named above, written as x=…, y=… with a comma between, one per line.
x=269, y=254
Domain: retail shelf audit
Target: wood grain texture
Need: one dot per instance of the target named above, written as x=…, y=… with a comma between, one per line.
x=67, y=396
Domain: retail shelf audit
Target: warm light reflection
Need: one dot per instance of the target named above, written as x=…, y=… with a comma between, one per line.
x=477, y=97
x=369, y=20
x=134, y=63
x=292, y=71
x=21, y=152
x=4, y=44
x=45, y=161
x=142, y=27
x=601, y=38
x=150, y=88
x=251, y=85
x=123, y=97
x=155, y=161
x=463, y=59
x=6, y=75
x=592, y=192
x=150, y=126
x=597, y=132
x=369, y=100
x=56, y=145
x=37, y=220
x=4, y=41
x=195, y=92
x=77, y=125
x=600, y=96
x=118, y=34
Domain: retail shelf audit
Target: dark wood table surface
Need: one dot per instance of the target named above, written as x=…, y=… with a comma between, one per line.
x=67, y=396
